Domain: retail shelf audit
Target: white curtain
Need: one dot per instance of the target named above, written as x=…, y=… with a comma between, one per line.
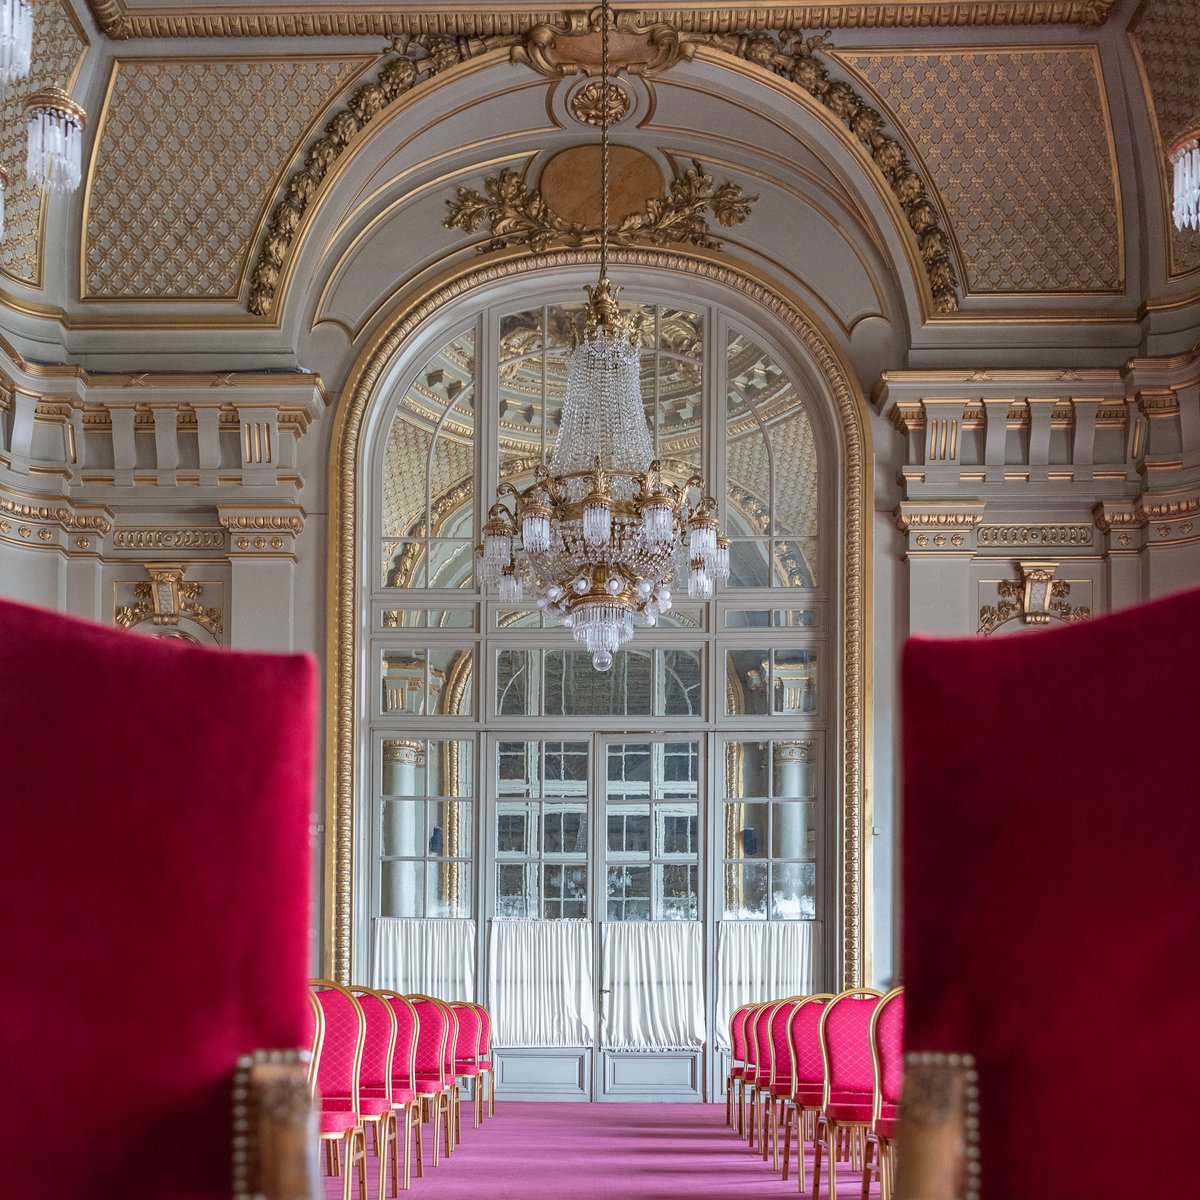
x=762, y=960
x=431, y=957
x=654, y=971
x=541, y=984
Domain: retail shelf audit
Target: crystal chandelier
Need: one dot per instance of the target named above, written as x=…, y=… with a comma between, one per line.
x=16, y=40
x=602, y=534
x=1185, y=158
x=54, y=157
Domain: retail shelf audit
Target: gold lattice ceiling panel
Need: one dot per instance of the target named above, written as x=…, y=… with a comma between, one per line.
x=58, y=49
x=1018, y=144
x=1167, y=36
x=189, y=154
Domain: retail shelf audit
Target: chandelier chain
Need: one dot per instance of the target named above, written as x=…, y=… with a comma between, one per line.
x=604, y=103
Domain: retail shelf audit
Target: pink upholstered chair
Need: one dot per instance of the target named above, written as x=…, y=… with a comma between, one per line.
x=748, y=1090
x=887, y=1062
x=760, y=1085
x=849, y=1081
x=486, y=1068
x=168, y=820
x=338, y=1061
x=406, y=1103
x=375, y=1077
x=808, y=1079
x=779, y=1085
x=467, y=1054
x=737, y=1062
x=433, y=1079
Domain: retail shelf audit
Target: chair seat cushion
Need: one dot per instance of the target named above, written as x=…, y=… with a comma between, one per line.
x=429, y=1087
x=808, y=1095
x=337, y=1120
x=849, y=1108
x=466, y=1067
x=402, y=1096
x=887, y=1127
x=484, y=1064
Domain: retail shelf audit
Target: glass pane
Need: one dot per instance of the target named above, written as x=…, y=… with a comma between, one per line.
x=746, y=830
x=678, y=693
x=566, y=768
x=679, y=892
x=795, y=563
x=517, y=892
x=451, y=826
x=419, y=618
x=516, y=828
x=404, y=828
x=565, y=829
x=403, y=564
x=795, y=681
x=448, y=889
x=628, y=830
x=404, y=767
x=748, y=678
x=575, y=688
x=451, y=563
x=680, y=769
x=792, y=832
x=628, y=771
x=794, y=891
x=749, y=563
x=423, y=682
x=676, y=831
x=564, y=890
x=748, y=768
x=404, y=689
x=519, y=768
x=795, y=770
x=787, y=618
x=517, y=682
x=629, y=893
x=745, y=891
x=403, y=887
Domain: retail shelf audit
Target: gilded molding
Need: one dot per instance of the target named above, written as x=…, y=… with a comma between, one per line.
x=520, y=216
x=58, y=514
x=909, y=517
x=260, y=521
x=165, y=597
x=118, y=23
x=543, y=52
x=344, y=552
x=152, y=537
x=1036, y=597
x=941, y=1128
x=1035, y=535
x=793, y=56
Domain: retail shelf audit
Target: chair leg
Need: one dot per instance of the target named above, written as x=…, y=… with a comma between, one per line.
x=834, y=1135
x=420, y=1144
x=867, y=1156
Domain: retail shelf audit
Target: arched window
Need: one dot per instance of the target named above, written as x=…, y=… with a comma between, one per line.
x=690, y=784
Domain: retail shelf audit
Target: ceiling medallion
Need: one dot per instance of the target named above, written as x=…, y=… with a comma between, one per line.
x=587, y=104
x=600, y=533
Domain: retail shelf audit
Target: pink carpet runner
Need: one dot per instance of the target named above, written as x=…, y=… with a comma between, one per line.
x=604, y=1152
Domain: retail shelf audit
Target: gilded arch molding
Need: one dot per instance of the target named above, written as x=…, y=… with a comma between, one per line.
x=345, y=465
x=415, y=61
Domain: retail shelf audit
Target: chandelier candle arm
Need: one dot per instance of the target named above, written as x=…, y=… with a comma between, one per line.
x=1184, y=156
x=54, y=157
x=597, y=533
x=16, y=40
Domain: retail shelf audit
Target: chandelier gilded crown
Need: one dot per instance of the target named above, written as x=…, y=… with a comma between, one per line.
x=600, y=535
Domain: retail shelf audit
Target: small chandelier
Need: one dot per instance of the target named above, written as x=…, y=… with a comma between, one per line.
x=1184, y=155
x=16, y=40
x=602, y=534
x=54, y=157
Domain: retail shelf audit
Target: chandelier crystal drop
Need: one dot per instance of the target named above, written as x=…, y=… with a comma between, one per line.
x=16, y=40
x=1185, y=158
x=601, y=533
x=4, y=182
x=54, y=157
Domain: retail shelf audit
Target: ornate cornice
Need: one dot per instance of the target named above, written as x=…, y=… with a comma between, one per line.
x=197, y=21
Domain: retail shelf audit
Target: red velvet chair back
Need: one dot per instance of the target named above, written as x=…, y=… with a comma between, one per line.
x=485, y=1032
x=762, y=1038
x=737, y=1033
x=316, y=1023
x=846, y=1043
x=755, y=1014
x=1050, y=844
x=404, y=1060
x=781, y=1046
x=156, y=886
x=435, y=1029
x=466, y=1046
x=342, y=1044
x=887, y=1043
x=379, y=1041
x=804, y=1033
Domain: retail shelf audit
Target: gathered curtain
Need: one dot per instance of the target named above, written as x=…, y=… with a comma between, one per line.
x=762, y=960
x=654, y=973
x=541, y=983
x=432, y=957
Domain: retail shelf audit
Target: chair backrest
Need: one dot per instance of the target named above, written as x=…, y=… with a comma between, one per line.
x=404, y=1060
x=781, y=1048
x=762, y=1036
x=466, y=1046
x=846, y=1042
x=342, y=1045
x=887, y=1049
x=379, y=1040
x=316, y=1032
x=804, y=1036
x=752, y=1020
x=436, y=1034
x=737, y=1033
x=485, y=1031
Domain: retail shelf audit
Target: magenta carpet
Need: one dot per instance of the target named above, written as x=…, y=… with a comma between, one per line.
x=604, y=1152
